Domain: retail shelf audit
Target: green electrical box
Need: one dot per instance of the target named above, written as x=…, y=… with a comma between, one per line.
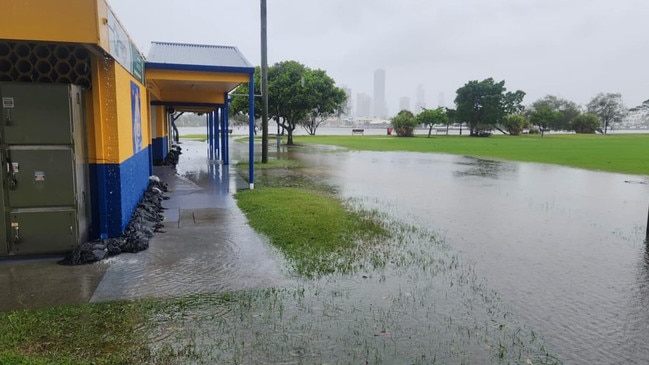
x=44, y=169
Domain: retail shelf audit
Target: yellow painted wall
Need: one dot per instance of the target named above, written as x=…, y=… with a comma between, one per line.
x=193, y=96
x=124, y=114
x=74, y=21
x=182, y=75
x=160, y=121
x=110, y=126
x=103, y=144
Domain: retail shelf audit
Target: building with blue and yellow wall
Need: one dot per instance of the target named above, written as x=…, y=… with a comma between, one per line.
x=125, y=107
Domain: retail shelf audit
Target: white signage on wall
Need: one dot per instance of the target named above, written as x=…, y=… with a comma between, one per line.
x=123, y=50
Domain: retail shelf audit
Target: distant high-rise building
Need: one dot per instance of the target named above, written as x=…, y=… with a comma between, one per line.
x=421, y=99
x=404, y=103
x=348, y=106
x=363, y=102
x=440, y=100
x=380, y=107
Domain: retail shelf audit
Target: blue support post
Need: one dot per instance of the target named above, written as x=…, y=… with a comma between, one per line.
x=226, y=129
x=209, y=136
x=251, y=132
x=224, y=136
x=217, y=147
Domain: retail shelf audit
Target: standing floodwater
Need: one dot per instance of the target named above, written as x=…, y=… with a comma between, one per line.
x=563, y=247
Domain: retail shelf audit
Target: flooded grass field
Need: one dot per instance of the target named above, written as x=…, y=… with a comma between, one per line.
x=421, y=305
x=413, y=300
x=564, y=248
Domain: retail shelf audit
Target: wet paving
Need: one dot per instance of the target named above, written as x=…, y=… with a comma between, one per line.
x=564, y=248
x=207, y=245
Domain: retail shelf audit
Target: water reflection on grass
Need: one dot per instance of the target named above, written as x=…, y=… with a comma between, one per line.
x=413, y=301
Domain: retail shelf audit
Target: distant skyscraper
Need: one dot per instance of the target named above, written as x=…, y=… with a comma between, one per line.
x=380, y=107
x=440, y=100
x=421, y=99
x=404, y=103
x=363, y=102
x=348, y=106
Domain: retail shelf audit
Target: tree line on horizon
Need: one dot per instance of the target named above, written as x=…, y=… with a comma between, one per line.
x=301, y=96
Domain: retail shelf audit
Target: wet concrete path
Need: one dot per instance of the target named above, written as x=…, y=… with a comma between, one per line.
x=208, y=247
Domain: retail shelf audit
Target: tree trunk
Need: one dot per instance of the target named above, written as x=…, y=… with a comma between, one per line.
x=430, y=129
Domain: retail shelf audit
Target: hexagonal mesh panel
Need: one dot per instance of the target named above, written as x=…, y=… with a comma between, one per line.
x=44, y=62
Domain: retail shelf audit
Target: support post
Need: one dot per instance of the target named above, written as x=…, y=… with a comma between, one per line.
x=217, y=148
x=226, y=130
x=209, y=136
x=647, y=238
x=264, y=84
x=251, y=130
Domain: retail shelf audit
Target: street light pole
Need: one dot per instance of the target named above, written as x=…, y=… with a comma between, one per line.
x=264, y=85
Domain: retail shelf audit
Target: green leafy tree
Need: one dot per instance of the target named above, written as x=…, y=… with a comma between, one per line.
x=452, y=118
x=543, y=116
x=430, y=117
x=295, y=94
x=609, y=108
x=483, y=104
x=404, y=123
x=585, y=123
x=566, y=110
x=328, y=99
x=515, y=123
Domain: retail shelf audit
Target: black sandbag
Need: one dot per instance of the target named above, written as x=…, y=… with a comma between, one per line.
x=144, y=223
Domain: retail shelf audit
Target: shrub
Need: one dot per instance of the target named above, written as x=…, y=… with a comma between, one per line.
x=404, y=123
x=585, y=123
x=515, y=123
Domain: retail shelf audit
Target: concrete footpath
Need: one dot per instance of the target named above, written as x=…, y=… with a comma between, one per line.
x=207, y=247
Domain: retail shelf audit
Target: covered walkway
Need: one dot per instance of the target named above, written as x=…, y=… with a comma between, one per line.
x=197, y=78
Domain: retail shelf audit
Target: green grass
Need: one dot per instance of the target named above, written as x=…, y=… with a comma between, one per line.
x=316, y=231
x=84, y=334
x=271, y=164
x=196, y=137
x=614, y=153
x=312, y=228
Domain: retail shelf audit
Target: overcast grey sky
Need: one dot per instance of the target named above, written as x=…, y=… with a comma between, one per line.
x=570, y=48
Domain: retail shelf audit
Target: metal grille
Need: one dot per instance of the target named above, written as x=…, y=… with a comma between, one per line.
x=44, y=63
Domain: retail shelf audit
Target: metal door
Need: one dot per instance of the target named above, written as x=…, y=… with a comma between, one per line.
x=42, y=175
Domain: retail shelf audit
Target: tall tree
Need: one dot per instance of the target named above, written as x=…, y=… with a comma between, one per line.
x=328, y=99
x=483, y=104
x=566, y=110
x=544, y=116
x=608, y=107
x=294, y=93
x=430, y=117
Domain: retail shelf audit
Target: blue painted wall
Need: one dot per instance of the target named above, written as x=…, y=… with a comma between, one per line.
x=160, y=149
x=116, y=189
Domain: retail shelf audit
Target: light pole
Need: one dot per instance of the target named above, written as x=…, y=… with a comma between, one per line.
x=264, y=85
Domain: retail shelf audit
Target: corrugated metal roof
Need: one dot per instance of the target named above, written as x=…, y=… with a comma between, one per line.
x=196, y=55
